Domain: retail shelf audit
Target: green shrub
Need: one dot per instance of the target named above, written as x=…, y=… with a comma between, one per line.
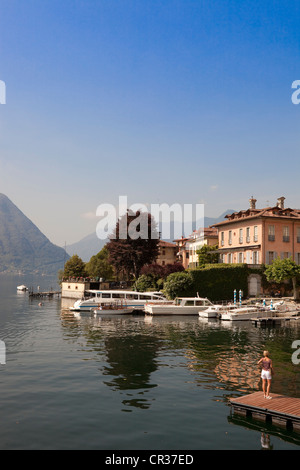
x=218, y=281
x=177, y=284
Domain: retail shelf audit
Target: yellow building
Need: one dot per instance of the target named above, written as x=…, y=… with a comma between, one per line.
x=167, y=253
x=187, y=247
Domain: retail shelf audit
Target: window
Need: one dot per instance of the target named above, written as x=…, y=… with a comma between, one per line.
x=248, y=234
x=255, y=238
x=229, y=258
x=255, y=258
x=222, y=238
x=241, y=236
x=270, y=257
x=118, y=296
x=286, y=233
x=230, y=237
x=271, y=233
x=298, y=234
x=241, y=257
x=298, y=258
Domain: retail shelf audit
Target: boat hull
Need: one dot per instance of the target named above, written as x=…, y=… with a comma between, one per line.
x=244, y=315
x=171, y=310
x=112, y=311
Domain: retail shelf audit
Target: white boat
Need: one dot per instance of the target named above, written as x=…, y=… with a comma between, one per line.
x=96, y=298
x=113, y=308
x=243, y=313
x=22, y=288
x=213, y=311
x=181, y=306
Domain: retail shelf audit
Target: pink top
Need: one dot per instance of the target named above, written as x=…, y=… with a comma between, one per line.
x=266, y=365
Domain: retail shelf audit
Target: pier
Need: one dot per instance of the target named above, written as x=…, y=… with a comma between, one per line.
x=48, y=294
x=281, y=410
x=268, y=321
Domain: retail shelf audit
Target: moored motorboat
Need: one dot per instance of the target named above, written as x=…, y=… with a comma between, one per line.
x=113, y=309
x=243, y=313
x=180, y=306
x=213, y=311
x=22, y=288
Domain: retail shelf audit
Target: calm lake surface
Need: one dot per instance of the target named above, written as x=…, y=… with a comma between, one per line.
x=133, y=382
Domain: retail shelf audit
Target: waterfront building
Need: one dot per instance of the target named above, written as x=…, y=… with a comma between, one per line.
x=167, y=253
x=258, y=236
x=188, y=247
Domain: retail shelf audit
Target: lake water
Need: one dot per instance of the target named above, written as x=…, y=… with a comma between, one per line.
x=135, y=382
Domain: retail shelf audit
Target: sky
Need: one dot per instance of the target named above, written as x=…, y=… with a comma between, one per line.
x=170, y=101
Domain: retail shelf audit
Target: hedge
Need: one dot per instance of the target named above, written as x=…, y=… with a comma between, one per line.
x=218, y=281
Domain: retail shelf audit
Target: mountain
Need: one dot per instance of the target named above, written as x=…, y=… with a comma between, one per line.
x=87, y=247
x=211, y=221
x=91, y=244
x=23, y=247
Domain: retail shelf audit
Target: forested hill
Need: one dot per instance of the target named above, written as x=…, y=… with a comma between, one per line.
x=23, y=247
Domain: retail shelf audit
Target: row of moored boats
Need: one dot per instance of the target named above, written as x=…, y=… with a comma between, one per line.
x=154, y=303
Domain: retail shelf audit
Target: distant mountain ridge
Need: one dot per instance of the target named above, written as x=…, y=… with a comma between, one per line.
x=91, y=244
x=23, y=247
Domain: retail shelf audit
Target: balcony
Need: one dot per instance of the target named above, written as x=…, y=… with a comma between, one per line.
x=286, y=238
x=271, y=238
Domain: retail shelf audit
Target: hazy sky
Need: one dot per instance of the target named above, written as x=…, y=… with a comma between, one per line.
x=176, y=101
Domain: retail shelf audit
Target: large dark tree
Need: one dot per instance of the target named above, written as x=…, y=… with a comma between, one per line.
x=133, y=243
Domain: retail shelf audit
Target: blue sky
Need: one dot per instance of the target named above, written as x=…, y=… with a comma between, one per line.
x=182, y=101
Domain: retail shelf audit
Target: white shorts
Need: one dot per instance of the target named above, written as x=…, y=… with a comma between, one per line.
x=266, y=374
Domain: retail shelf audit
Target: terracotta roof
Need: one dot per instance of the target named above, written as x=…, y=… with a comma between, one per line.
x=167, y=244
x=275, y=212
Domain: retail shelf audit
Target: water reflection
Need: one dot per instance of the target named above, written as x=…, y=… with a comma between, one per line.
x=217, y=355
x=131, y=360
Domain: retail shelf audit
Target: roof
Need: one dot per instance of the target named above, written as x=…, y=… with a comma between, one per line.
x=273, y=212
x=167, y=244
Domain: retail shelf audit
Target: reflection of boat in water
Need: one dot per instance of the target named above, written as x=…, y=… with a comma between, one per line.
x=133, y=299
x=181, y=306
x=22, y=288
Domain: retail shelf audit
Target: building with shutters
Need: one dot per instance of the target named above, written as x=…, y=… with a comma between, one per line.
x=258, y=236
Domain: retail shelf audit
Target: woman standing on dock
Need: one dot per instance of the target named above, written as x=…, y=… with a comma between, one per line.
x=266, y=373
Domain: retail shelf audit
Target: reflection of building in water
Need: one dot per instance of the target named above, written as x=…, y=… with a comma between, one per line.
x=239, y=370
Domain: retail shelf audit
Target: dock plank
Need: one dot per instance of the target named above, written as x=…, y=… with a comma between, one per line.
x=279, y=408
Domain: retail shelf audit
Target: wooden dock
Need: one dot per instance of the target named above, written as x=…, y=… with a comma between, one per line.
x=49, y=294
x=281, y=410
x=265, y=321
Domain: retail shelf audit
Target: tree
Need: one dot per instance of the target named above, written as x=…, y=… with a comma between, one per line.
x=177, y=283
x=160, y=271
x=207, y=255
x=98, y=266
x=284, y=269
x=146, y=282
x=133, y=243
x=74, y=267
